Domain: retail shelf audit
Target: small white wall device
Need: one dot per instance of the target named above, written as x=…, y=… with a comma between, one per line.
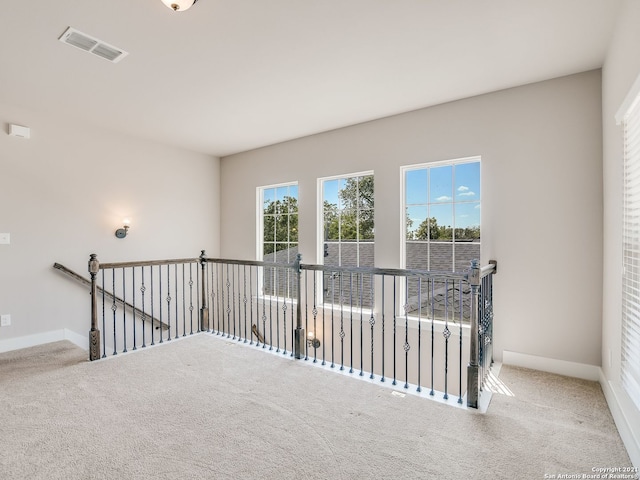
x=19, y=131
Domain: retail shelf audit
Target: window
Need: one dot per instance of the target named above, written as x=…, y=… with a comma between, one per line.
x=441, y=227
x=278, y=236
x=442, y=215
x=348, y=233
x=630, y=370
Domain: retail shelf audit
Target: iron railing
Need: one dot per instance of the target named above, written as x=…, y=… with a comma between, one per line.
x=431, y=331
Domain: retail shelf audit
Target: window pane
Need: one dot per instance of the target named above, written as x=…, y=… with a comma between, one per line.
x=269, y=228
x=365, y=199
x=416, y=187
x=468, y=221
x=366, y=254
x=293, y=228
x=440, y=184
x=268, y=196
x=467, y=183
x=281, y=193
x=282, y=228
x=365, y=226
x=441, y=256
x=293, y=196
x=441, y=224
x=417, y=255
x=330, y=194
x=348, y=225
x=417, y=225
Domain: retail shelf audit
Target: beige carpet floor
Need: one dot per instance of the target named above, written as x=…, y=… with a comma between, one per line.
x=207, y=408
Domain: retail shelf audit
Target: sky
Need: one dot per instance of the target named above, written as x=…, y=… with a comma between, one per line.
x=448, y=192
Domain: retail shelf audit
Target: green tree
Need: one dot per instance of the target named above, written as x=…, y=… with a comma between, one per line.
x=354, y=220
x=280, y=227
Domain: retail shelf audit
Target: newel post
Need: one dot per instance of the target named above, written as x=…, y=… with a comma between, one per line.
x=299, y=338
x=204, y=310
x=94, y=333
x=473, y=379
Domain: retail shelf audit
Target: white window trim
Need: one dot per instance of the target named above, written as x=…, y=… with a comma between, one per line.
x=630, y=302
x=403, y=202
x=403, y=217
x=260, y=233
x=320, y=223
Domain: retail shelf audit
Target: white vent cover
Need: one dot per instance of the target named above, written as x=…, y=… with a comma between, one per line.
x=85, y=42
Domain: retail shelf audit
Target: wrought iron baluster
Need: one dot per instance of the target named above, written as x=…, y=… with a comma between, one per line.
x=144, y=316
x=461, y=312
x=244, y=298
x=251, y=304
x=341, y=333
x=220, y=290
x=446, y=334
x=419, y=388
x=372, y=322
x=383, y=349
x=191, y=307
x=184, y=301
x=151, y=298
x=361, y=277
x=324, y=337
x=433, y=333
x=333, y=297
x=133, y=294
x=169, y=299
x=229, y=301
x=277, y=292
x=406, y=334
x=395, y=320
x=271, y=311
x=160, y=300
x=351, y=321
x=104, y=330
x=114, y=307
x=124, y=311
x=315, y=315
x=284, y=313
x=233, y=299
x=306, y=314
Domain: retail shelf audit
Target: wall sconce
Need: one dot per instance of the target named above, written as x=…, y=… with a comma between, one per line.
x=312, y=341
x=122, y=232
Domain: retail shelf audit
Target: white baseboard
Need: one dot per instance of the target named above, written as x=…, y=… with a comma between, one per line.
x=42, y=338
x=551, y=365
x=625, y=415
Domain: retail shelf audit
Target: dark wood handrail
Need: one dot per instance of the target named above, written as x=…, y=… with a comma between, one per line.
x=86, y=282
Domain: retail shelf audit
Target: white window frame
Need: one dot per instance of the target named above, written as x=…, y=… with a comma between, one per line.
x=403, y=222
x=403, y=199
x=320, y=229
x=629, y=116
x=260, y=231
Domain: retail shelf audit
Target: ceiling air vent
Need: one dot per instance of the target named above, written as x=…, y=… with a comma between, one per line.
x=90, y=44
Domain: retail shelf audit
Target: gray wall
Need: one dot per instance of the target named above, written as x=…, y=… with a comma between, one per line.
x=541, y=197
x=66, y=190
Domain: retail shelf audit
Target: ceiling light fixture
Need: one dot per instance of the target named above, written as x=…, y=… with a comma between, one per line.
x=179, y=5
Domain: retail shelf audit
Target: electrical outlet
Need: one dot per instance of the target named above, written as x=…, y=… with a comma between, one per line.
x=5, y=238
x=5, y=320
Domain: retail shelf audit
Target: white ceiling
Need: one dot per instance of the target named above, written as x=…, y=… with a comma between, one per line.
x=233, y=75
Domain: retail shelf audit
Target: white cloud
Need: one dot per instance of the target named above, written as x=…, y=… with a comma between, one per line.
x=466, y=194
x=462, y=188
x=477, y=206
x=443, y=198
